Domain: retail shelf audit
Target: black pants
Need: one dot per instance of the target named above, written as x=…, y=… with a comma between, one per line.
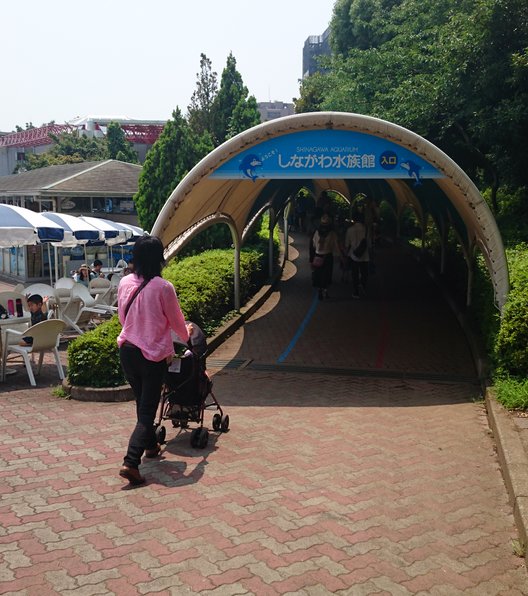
x=145, y=378
x=360, y=271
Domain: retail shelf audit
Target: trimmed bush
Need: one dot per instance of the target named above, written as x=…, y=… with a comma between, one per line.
x=93, y=358
x=511, y=346
x=205, y=283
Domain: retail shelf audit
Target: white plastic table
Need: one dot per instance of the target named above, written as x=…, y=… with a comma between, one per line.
x=10, y=323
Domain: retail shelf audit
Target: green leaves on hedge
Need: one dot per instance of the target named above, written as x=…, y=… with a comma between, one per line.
x=205, y=283
x=512, y=339
x=93, y=358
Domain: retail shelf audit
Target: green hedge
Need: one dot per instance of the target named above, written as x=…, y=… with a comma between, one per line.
x=205, y=283
x=511, y=345
x=93, y=358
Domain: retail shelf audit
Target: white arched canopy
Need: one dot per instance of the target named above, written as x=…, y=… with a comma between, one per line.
x=347, y=153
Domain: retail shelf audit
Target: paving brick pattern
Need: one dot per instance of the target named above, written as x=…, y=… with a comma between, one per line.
x=325, y=483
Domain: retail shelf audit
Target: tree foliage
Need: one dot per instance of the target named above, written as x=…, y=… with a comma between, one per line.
x=69, y=147
x=200, y=109
x=175, y=152
x=75, y=147
x=118, y=147
x=455, y=72
x=213, y=115
x=233, y=111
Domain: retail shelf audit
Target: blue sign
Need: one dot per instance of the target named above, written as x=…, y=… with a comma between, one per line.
x=327, y=154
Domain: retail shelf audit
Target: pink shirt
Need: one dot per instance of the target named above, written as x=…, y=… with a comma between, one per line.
x=151, y=317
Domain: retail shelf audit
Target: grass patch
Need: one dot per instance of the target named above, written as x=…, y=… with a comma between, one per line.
x=60, y=392
x=512, y=393
x=518, y=548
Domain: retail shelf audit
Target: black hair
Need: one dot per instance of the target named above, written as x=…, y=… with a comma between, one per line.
x=147, y=256
x=97, y=262
x=35, y=299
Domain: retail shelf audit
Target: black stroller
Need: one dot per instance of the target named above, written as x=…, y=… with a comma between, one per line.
x=188, y=391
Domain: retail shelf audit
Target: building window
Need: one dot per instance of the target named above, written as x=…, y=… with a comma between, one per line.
x=21, y=156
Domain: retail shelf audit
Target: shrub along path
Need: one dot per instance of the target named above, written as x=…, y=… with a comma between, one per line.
x=358, y=465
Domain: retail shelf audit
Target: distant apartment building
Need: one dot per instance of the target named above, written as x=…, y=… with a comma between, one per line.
x=269, y=110
x=315, y=46
x=15, y=146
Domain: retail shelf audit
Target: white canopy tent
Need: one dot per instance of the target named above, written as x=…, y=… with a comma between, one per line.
x=23, y=227
x=76, y=231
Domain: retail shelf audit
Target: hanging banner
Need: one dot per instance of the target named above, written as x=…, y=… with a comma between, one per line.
x=327, y=154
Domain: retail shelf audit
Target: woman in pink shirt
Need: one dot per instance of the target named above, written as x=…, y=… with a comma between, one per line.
x=148, y=309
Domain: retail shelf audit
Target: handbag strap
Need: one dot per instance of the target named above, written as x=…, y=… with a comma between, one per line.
x=135, y=295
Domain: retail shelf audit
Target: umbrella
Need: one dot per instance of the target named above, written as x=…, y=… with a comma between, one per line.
x=22, y=227
x=76, y=231
x=114, y=232
x=136, y=232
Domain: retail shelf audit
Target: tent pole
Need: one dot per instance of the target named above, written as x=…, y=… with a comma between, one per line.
x=49, y=265
x=56, y=251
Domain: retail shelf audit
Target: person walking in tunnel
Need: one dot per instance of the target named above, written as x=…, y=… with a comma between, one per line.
x=323, y=247
x=356, y=246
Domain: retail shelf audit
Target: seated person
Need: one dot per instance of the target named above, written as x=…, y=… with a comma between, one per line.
x=83, y=275
x=39, y=312
x=96, y=268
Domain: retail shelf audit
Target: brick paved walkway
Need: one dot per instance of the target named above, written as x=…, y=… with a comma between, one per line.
x=362, y=464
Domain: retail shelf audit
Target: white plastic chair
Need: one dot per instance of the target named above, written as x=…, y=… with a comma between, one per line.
x=81, y=312
x=45, y=336
x=44, y=290
x=65, y=282
x=63, y=287
x=100, y=288
x=114, y=282
x=39, y=288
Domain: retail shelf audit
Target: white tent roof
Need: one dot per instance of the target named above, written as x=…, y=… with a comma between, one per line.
x=202, y=199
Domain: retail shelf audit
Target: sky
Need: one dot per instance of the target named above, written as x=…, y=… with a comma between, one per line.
x=65, y=59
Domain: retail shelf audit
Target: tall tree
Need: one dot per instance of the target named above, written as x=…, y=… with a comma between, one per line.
x=200, y=108
x=175, y=152
x=232, y=90
x=118, y=147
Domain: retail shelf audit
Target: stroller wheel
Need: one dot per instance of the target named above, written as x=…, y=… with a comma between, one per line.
x=217, y=422
x=225, y=423
x=161, y=433
x=194, y=437
x=203, y=438
x=199, y=438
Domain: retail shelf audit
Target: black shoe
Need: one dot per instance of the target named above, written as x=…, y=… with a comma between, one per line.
x=321, y=294
x=132, y=475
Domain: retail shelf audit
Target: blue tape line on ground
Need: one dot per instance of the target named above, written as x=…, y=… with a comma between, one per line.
x=301, y=329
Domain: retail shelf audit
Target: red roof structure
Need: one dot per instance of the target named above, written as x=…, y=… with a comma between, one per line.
x=146, y=134
x=34, y=137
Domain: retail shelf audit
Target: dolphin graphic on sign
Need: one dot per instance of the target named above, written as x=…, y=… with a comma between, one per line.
x=248, y=165
x=413, y=169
